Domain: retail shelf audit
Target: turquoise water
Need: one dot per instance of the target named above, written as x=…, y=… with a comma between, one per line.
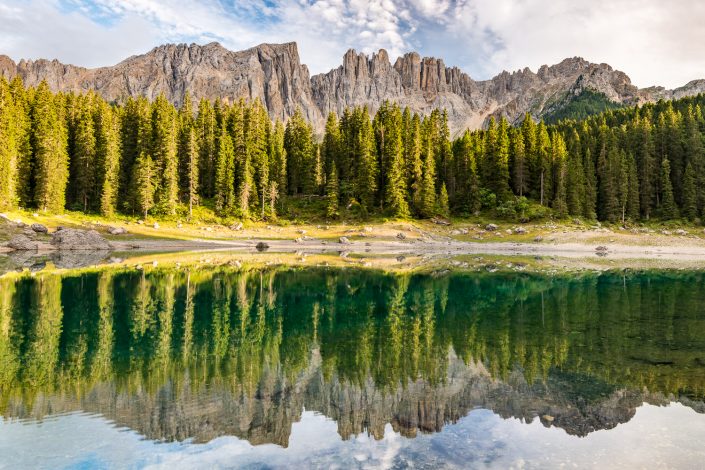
x=343, y=368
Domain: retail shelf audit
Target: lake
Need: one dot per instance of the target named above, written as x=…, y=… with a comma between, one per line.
x=229, y=367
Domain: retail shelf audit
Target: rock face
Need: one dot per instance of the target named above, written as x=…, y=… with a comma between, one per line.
x=85, y=240
x=273, y=73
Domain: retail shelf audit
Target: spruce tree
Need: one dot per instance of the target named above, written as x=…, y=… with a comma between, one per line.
x=668, y=204
x=278, y=158
x=8, y=149
x=164, y=155
x=224, y=174
x=83, y=158
x=206, y=129
x=633, y=200
x=690, y=197
x=332, y=191
x=22, y=132
x=427, y=204
x=108, y=162
x=443, y=207
x=49, y=144
x=192, y=167
x=144, y=176
x=560, y=175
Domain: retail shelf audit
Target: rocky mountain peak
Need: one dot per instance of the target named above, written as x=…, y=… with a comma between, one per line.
x=274, y=74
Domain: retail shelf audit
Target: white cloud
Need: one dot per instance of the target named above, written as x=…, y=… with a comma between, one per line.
x=652, y=41
x=35, y=29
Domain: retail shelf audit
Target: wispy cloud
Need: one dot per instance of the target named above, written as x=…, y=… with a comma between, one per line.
x=654, y=42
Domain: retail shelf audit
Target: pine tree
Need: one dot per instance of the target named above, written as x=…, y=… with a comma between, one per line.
x=278, y=157
x=330, y=147
x=206, y=129
x=164, y=155
x=412, y=157
x=83, y=158
x=144, y=176
x=22, y=125
x=443, y=208
x=519, y=165
x=332, y=191
x=300, y=151
x=188, y=154
x=49, y=144
x=388, y=124
x=366, y=175
x=192, y=170
x=135, y=138
x=633, y=200
x=224, y=174
x=8, y=149
x=690, y=197
x=560, y=175
x=107, y=127
x=427, y=205
x=668, y=204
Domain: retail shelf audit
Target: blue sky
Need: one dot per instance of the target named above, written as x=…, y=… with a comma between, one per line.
x=654, y=42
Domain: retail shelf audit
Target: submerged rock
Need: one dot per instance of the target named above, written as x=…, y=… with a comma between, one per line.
x=262, y=246
x=344, y=241
x=74, y=239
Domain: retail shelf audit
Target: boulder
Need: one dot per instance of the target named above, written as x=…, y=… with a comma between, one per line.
x=439, y=221
x=39, y=228
x=156, y=225
x=24, y=243
x=117, y=231
x=538, y=238
x=401, y=236
x=520, y=231
x=491, y=227
x=236, y=226
x=601, y=249
x=262, y=246
x=74, y=239
x=681, y=232
x=344, y=241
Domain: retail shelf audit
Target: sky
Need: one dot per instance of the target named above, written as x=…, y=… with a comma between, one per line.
x=653, y=41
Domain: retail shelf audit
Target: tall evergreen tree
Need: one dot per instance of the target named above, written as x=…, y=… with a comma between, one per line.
x=225, y=177
x=690, y=196
x=49, y=145
x=144, y=176
x=332, y=191
x=9, y=164
x=164, y=155
x=108, y=162
x=668, y=208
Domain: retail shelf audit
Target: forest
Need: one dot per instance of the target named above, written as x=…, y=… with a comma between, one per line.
x=67, y=151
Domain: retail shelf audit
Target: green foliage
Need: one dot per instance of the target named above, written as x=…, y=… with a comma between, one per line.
x=581, y=106
x=78, y=151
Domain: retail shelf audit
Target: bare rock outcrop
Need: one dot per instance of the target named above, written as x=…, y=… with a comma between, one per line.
x=273, y=74
x=83, y=240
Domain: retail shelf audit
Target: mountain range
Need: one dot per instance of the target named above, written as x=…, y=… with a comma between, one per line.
x=274, y=74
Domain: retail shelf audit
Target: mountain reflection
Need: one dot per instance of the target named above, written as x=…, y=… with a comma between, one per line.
x=179, y=354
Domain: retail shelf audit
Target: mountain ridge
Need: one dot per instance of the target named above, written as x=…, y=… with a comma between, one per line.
x=275, y=74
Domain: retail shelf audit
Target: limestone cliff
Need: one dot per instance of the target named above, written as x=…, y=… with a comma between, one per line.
x=273, y=73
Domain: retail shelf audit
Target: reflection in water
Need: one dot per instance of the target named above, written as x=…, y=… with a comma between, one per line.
x=178, y=354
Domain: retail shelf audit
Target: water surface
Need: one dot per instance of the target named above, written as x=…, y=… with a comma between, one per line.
x=316, y=367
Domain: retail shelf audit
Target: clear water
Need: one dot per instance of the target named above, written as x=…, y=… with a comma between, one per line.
x=341, y=368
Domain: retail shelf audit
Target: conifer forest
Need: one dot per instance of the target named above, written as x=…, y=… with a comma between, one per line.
x=78, y=152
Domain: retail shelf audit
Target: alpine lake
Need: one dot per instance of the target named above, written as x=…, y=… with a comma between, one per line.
x=255, y=366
